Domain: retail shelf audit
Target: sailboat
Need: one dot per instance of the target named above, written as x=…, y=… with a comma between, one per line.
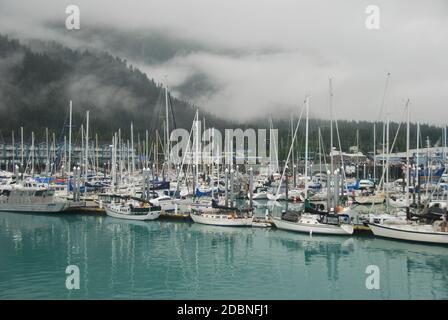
x=320, y=223
x=312, y=220
x=334, y=224
x=222, y=216
x=435, y=232
x=133, y=210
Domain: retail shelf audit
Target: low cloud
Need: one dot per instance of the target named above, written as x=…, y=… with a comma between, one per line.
x=249, y=59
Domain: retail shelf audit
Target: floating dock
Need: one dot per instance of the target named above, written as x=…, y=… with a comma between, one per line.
x=167, y=215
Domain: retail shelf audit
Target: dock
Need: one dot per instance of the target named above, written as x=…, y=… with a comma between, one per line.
x=167, y=215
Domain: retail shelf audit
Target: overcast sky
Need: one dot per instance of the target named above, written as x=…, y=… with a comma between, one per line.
x=249, y=58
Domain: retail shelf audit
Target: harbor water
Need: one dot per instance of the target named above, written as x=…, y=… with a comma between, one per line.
x=119, y=259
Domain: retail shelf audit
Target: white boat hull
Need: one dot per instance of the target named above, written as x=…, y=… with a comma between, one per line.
x=165, y=204
x=36, y=207
x=319, y=228
x=377, y=199
x=225, y=222
x=276, y=197
x=152, y=215
x=399, y=203
x=259, y=196
x=406, y=232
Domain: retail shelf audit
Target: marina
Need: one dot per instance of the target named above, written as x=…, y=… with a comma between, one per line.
x=273, y=150
x=264, y=223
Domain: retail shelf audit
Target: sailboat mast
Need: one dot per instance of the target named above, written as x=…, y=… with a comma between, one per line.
x=128, y=158
x=146, y=148
x=407, y=158
x=97, y=156
x=54, y=152
x=331, y=124
x=197, y=142
x=47, y=163
x=417, y=167
x=167, y=127
x=306, y=147
x=70, y=138
x=112, y=169
x=357, y=152
x=212, y=184
x=13, y=153
x=82, y=154
x=87, y=144
x=320, y=151
x=374, y=151
x=387, y=162
x=444, y=144
x=65, y=154
x=292, y=155
x=21, y=146
x=418, y=143
x=120, y=154
x=156, y=152
x=32, y=153
x=132, y=150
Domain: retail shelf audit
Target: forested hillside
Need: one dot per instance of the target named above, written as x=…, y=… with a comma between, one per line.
x=37, y=82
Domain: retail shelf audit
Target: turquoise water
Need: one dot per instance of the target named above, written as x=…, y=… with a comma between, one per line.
x=181, y=260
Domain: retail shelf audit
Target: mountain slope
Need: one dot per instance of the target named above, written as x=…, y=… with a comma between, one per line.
x=36, y=86
x=38, y=80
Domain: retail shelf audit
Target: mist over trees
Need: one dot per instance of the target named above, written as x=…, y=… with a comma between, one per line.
x=38, y=80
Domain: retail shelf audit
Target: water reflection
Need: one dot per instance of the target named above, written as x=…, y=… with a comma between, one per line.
x=166, y=260
x=316, y=250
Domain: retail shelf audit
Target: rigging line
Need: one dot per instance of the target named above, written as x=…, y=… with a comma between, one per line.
x=153, y=125
x=172, y=110
x=391, y=149
x=428, y=200
x=58, y=157
x=344, y=177
x=187, y=152
x=322, y=146
x=290, y=149
x=383, y=100
x=78, y=132
x=160, y=141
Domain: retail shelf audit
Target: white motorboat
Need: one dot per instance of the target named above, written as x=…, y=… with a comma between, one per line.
x=133, y=210
x=31, y=197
